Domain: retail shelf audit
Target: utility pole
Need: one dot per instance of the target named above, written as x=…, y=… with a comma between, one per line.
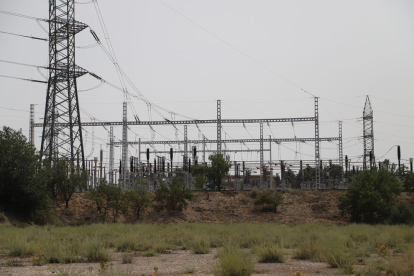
x=62, y=104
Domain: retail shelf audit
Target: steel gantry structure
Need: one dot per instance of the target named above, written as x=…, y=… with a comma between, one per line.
x=219, y=121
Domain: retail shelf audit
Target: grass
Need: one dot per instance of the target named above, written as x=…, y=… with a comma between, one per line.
x=200, y=246
x=270, y=253
x=234, y=262
x=340, y=246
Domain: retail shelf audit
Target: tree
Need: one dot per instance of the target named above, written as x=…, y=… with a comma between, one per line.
x=199, y=173
x=409, y=182
x=139, y=198
x=22, y=189
x=371, y=196
x=63, y=179
x=173, y=196
x=108, y=198
x=218, y=170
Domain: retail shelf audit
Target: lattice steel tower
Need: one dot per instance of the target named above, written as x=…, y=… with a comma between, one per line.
x=62, y=131
x=368, y=135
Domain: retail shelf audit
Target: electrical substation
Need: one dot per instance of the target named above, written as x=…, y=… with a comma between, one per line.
x=62, y=132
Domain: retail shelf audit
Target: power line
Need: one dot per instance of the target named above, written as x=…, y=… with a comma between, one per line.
x=33, y=37
x=10, y=77
x=23, y=16
x=234, y=48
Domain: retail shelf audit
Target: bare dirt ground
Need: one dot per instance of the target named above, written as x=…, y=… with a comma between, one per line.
x=172, y=263
x=298, y=207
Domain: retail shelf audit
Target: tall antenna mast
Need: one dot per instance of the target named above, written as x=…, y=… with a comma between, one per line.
x=62, y=130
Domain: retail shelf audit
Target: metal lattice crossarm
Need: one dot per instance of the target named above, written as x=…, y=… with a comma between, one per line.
x=276, y=140
x=189, y=122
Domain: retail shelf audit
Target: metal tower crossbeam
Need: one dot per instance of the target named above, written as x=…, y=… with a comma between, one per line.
x=189, y=122
x=276, y=140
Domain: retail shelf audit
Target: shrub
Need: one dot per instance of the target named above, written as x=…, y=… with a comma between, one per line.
x=370, y=197
x=139, y=198
x=308, y=251
x=402, y=213
x=94, y=251
x=270, y=253
x=125, y=245
x=269, y=200
x=234, y=262
x=174, y=196
x=200, y=246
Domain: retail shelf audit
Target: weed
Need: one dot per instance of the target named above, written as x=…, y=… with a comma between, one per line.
x=125, y=245
x=150, y=253
x=126, y=258
x=307, y=251
x=94, y=251
x=200, y=246
x=270, y=253
x=20, y=248
x=233, y=261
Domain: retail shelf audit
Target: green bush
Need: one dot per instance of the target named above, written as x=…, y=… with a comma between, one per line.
x=268, y=200
x=174, y=196
x=233, y=262
x=125, y=245
x=371, y=196
x=270, y=253
x=402, y=213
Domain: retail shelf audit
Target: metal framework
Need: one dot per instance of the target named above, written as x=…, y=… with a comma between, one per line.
x=111, y=155
x=276, y=140
x=219, y=126
x=262, y=177
x=189, y=122
x=124, y=167
x=341, y=162
x=317, y=157
x=368, y=134
x=31, y=132
x=62, y=131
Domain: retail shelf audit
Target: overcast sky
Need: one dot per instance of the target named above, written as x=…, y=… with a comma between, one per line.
x=258, y=57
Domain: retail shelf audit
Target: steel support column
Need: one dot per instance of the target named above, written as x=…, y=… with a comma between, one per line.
x=124, y=147
x=317, y=152
x=31, y=129
x=111, y=155
x=218, y=126
x=341, y=160
x=262, y=177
